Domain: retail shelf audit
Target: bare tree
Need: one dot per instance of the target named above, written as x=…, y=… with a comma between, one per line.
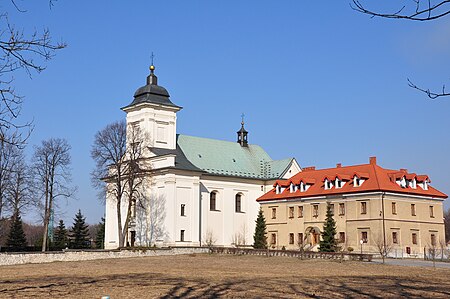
x=239, y=238
x=150, y=219
x=19, y=51
x=121, y=169
x=6, y=164
x=210, y=239
x=415, y=10
x=447, y=224
x=384, y=246
x=51, y=170
x=19, y=195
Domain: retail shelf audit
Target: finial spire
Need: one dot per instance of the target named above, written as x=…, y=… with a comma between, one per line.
x=242, y=133
x=152, y=66
x=152, y=79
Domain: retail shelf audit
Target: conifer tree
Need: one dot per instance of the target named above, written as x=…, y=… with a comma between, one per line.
x=259, y=238
x=79, y=232
x=328, y=242
x=16, y=237
x=100, y=237
x=61, y=240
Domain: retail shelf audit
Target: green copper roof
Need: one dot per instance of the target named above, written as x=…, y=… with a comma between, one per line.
x=230, y=158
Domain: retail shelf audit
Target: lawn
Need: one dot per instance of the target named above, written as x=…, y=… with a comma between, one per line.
x=210, y=276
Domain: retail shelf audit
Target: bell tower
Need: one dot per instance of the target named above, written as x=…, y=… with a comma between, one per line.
x=154, y=113
x=242, y=134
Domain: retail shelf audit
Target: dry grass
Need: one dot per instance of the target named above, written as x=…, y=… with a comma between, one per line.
x=210, y=276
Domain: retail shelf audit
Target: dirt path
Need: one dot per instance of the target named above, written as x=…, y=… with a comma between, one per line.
x=211, y=276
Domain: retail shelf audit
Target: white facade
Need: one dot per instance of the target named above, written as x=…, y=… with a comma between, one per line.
x=177, y=207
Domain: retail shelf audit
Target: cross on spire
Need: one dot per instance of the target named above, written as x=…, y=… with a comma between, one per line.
x=152, y=56
x=242, y=116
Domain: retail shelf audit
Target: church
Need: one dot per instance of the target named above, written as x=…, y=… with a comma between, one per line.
x=203, y=191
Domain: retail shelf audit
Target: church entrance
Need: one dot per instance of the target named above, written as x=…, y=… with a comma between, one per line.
x=313, y=236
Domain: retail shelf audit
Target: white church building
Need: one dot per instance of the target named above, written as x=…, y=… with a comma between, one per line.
x=203, y=190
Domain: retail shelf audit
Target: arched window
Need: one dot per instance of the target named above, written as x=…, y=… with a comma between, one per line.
x=238, y=203
x=212, y=201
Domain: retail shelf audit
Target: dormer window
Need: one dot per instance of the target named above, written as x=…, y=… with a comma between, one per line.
x=357, y=181
x=403, y=182
x=413, y=183
x=277, y=189
x=328, y=184
x=293, y=188
x=338, y=183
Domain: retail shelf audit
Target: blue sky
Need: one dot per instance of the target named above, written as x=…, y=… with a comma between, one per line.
x=316, y=80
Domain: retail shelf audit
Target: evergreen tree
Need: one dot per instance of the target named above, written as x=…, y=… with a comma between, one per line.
x=60, y=240
x=100, y=237
x=80, y=232
x=259, y=238
x=328, y=242
x=16, y=237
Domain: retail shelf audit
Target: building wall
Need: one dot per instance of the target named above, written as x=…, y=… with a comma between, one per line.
x=354, y=222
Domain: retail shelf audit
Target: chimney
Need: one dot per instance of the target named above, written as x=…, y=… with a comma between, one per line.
x=338, y=165
x=373, y=160
x=309, y=168
x=403, y=170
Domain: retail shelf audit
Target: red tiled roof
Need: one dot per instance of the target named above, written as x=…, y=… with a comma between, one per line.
x=375, y=178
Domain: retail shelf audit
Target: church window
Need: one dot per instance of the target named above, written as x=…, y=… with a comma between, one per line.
x=364, y=237
x=291, y=212
x=300, y=212
x=291, y=238
x=182, y=235
x=363, y=207
x=300, y=239
x=213, y=201
x=273, y=239
x=315, y=210
x=238, y=203
x=413, y=209
x=183, y=210
x=433, y=240
x=341, y=209
x=414, y=238
x=341, y=237
x=394, y=237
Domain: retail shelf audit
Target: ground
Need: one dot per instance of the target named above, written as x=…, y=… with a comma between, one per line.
x=210, y=276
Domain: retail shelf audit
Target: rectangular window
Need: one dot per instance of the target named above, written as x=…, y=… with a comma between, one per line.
x=315, y=210
x=182, y=235
x=212, y=201
x=394, y=238
x=414, y=238
x=342, y=237
x=394, y=208
x=300, y=238
x=433, y=240
x=291, y=212
x=431, y=211
x=364, y=237
x=183, y=210
x=291, y=238
x=413, y=209
x=273, y=239
x=363, y=207
x=274, y=213
x=332, y=208
x=341, y=209
x=238, y=203
x=300, y=212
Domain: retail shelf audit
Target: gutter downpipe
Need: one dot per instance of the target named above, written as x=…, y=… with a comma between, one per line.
x=384, y=226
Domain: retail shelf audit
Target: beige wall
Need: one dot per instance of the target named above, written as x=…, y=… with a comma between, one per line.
x=353, y=222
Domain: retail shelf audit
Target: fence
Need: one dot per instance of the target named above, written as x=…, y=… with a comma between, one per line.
x=293, y=253
x=440, y=253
